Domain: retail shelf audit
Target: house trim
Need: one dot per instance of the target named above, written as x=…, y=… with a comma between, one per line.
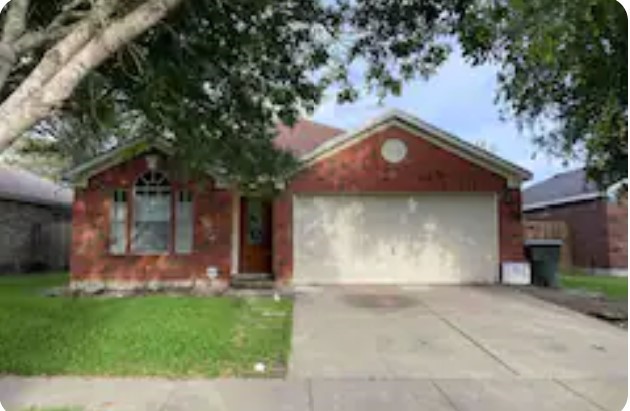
x=561, y=201
x=514, y=174
x=80, y=174
x=39, y=202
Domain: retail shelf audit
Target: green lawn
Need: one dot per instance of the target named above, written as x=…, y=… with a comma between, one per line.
x=613, y=287
x=151, y=335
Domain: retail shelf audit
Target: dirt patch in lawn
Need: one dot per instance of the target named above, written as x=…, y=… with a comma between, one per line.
x=590, y=303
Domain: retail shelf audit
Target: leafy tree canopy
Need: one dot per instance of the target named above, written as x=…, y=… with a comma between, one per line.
x=217, y=76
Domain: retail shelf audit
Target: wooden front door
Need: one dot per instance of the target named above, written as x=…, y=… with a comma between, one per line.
x=255, y=235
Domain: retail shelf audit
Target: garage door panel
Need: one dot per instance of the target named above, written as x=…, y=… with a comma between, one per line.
x=415, y=239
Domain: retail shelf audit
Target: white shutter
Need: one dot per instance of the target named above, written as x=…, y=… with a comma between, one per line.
x=118, y=223
x=184, y=223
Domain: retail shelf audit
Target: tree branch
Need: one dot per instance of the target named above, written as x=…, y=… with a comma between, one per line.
x=63, y=67
x=60, y=26
x=53, y=60
x=8, y=58
x=35, y=39
x=16, y=40
x=14, y=26
x=15, y=22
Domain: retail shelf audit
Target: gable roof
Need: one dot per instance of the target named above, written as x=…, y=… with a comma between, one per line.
x=17, y=184
x=311, y=141
x=425, y=130
x=304, y=136
x=82, y=172
x=567, y=187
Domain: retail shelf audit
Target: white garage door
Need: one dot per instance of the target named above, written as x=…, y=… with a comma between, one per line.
x=406, y=239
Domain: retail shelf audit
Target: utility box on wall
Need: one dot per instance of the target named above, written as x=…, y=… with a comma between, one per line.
x=516, y=273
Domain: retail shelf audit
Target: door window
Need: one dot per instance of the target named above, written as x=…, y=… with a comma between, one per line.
x=255, y=223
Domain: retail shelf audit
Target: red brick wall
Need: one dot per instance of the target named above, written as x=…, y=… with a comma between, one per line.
x=510, y=226
x=90, y=257
x=617, y=233
x=598, y=231
x=427, y=167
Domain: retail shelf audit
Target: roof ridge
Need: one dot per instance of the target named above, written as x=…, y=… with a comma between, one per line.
x=317, y=123
x=561, y=173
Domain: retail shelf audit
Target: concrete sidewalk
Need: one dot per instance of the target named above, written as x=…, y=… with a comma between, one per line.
x=122, y=394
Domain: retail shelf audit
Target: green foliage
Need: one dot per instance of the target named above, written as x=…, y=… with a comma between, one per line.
x=216, y=77
x=563, y=66
x=155, y=335
x=37, y=154
x=615, y=288
x=395, y=40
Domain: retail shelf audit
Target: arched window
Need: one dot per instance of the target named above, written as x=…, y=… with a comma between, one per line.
x=151, y=230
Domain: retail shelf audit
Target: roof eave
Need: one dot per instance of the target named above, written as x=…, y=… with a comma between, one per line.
x=539, y=205
x=35, y=200
x=79, y=175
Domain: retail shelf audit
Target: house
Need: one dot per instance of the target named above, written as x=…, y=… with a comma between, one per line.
x=597, y=219
x=35, y=218
x=395, y=201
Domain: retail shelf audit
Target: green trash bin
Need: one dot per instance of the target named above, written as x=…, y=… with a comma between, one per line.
x=543, y=256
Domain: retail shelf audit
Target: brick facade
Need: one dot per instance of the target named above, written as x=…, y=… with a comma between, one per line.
x=426, y=168
x=357, y=168
x=598, y=231
x=91, y=258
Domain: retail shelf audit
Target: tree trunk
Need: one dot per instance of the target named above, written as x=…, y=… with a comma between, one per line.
x=65, y=65
x=7, y=61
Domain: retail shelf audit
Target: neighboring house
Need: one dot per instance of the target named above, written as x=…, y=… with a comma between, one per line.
x=597, y=220
x=35, y=216
x=395, y=201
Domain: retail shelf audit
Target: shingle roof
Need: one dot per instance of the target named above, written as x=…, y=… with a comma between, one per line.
x=21, y=185
x=561, y=187
x=304, y=136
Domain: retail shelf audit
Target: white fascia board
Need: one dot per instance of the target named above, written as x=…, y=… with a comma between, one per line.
x=561, y=201
x=84, y=171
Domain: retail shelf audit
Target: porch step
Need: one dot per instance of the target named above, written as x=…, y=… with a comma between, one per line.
x=253, y=281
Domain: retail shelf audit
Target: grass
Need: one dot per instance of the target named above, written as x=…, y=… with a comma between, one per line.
x=615, y=288
x=152, y=335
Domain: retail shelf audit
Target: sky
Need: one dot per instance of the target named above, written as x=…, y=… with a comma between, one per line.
x=458, y=99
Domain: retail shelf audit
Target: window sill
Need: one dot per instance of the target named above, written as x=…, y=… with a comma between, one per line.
x=149, y=254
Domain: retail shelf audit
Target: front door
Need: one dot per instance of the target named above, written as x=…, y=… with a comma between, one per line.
x=255, y=235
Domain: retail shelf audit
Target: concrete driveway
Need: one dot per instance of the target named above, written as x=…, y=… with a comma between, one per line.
x=375, y=349
x=466, y=341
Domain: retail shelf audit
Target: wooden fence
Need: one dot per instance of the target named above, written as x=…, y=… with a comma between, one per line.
x=551, y=230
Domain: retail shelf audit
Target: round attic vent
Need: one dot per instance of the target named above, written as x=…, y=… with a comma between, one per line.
x=394, y=150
